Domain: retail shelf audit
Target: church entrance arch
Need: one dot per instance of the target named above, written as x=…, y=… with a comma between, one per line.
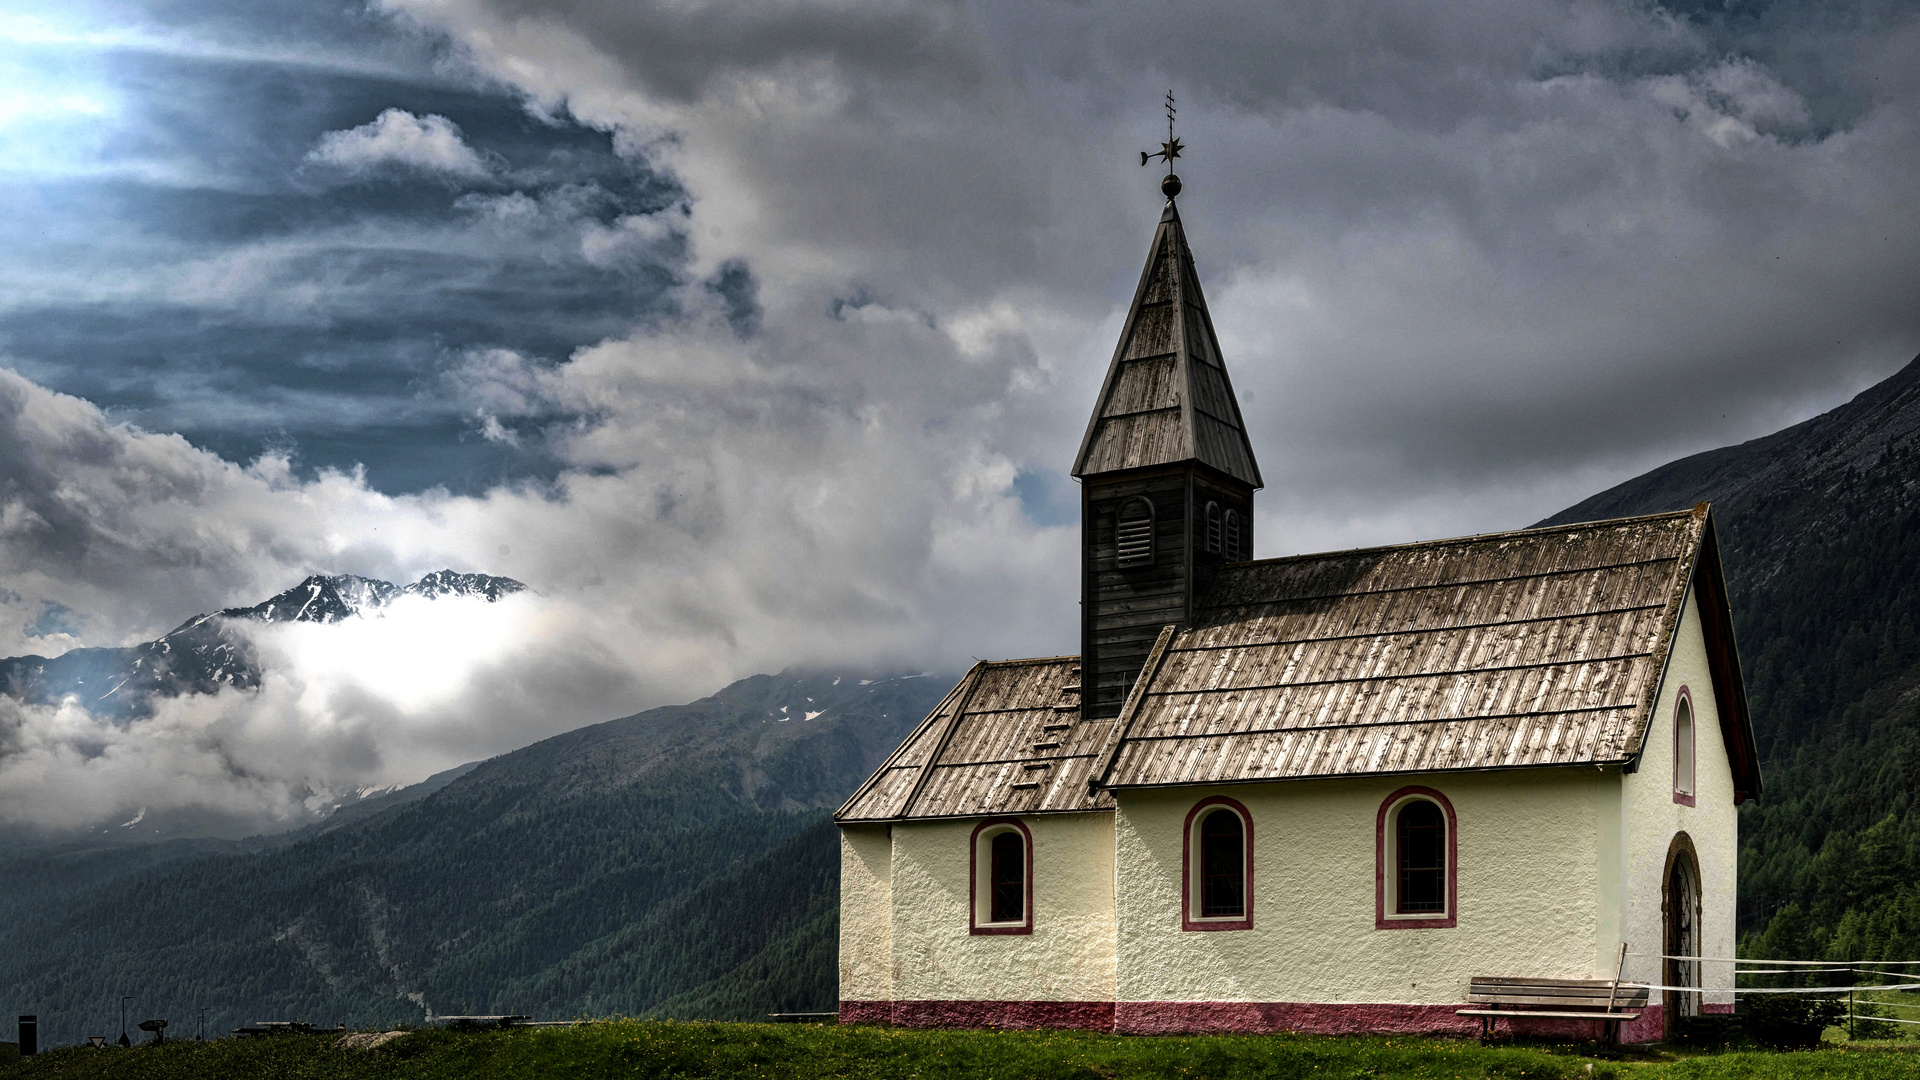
x=1681, y=943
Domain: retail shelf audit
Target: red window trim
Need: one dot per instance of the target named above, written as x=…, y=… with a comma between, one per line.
x=973, y=880
x=1687, y=797
x=1381, y=919
x=1187, y=920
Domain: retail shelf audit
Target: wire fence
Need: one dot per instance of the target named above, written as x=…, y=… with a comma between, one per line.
x=1807, y=967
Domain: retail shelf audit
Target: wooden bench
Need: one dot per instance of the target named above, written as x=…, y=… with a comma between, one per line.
x=1606, y=1000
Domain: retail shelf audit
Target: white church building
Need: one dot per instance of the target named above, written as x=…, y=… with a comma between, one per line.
x=1317, y=793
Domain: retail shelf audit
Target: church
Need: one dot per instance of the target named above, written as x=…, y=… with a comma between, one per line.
x=1319, y=793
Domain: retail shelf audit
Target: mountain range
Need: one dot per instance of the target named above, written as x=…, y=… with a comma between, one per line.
x=676, y=862
x=204, y=654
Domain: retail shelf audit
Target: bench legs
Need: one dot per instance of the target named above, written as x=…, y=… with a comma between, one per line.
x=1609, y=1031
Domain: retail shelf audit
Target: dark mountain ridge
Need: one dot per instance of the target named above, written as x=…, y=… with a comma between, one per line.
x=204, y=655
x=1820, y=527
x=679, y=861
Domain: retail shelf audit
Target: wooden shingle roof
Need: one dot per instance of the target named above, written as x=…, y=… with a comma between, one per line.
x=1007, y=740
x=1511, y=650
x=1544, y=647
x=1167, y=398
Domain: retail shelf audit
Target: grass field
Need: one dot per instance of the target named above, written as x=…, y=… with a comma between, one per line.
x=634, y=1049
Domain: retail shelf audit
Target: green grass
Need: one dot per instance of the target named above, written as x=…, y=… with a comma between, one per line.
x=637, y=1049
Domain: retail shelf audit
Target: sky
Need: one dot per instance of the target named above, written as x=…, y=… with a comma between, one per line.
x=752, y=335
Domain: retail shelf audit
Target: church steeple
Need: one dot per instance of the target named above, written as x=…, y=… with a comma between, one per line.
x=1167, y=397
x=1166, y=473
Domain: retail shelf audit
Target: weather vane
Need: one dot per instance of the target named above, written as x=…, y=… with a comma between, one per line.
x=1168, y=151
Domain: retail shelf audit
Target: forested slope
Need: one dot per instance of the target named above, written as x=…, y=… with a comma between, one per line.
x=675, y=862
x=1821, y=531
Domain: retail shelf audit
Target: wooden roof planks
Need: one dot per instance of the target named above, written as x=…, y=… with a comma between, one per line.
x=1511, y=650
x=1543, y=647
x=1008, y=740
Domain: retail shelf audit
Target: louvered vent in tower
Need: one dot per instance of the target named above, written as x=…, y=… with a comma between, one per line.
x=1232, y=530
x=1213, y=528
x=1133, y=536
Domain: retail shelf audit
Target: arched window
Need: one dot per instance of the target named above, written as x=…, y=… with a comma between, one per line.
x=1218, y=858
x=1232, y=530
x=1683, y=749
x=1213, y=527
x=1002, y=862
x=1009, y=884
x=1223, y=865
x=1420, y=847
x=1416, y=882
x=1133, y=533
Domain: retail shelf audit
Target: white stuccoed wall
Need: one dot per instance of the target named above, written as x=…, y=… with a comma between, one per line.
x=1538, y=877
x=1068, y=957
x=1713, y=823
x=1554, y=864
x=866, y=913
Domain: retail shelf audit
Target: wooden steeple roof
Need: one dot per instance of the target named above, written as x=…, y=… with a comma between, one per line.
x=1167, y=398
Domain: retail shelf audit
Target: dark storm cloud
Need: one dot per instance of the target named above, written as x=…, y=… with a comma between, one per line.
x=1472, y=260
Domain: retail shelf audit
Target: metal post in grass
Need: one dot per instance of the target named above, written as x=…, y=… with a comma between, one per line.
x=124, y=1041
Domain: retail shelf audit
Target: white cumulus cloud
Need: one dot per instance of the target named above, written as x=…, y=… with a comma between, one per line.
x=397, y=138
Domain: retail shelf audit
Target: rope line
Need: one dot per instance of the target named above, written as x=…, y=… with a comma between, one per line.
x=1756, y=960
x=1625, y=983
x=1885, y=1019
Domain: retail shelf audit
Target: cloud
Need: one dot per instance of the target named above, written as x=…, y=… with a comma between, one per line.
x=724, y=512
x=1469, y=264
x=364, y=704
x=398, y=139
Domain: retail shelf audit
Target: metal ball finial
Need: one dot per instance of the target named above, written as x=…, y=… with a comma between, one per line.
x=1170, y=186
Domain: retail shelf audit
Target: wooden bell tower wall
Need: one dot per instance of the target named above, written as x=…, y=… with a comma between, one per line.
x=1124, y=607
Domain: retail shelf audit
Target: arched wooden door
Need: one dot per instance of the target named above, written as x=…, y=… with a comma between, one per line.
x=1682, y=908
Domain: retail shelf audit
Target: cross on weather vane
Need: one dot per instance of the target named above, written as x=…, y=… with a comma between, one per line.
x=1168, y=151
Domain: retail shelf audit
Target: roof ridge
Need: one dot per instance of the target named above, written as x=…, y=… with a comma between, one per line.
x=1029, y=660
x=1467, y=539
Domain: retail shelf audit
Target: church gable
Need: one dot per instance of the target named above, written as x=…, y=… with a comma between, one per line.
x=1009, y=739
x=1542, y=647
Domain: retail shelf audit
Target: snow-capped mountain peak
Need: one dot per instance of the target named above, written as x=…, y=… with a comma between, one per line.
x=449, y=583
x=204, y=656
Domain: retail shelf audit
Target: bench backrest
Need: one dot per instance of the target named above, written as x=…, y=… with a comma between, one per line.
x=1561, y=993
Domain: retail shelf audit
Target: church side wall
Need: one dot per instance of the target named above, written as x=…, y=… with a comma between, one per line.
x=1712, y=824
x=1060, y=974
x=1537, y=872
x=866, y=922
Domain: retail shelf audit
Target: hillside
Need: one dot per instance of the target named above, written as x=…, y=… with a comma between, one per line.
x=1820, y=525
x=676, y=862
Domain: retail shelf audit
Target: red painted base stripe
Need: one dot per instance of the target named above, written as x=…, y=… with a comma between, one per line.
x=1230, y=1017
